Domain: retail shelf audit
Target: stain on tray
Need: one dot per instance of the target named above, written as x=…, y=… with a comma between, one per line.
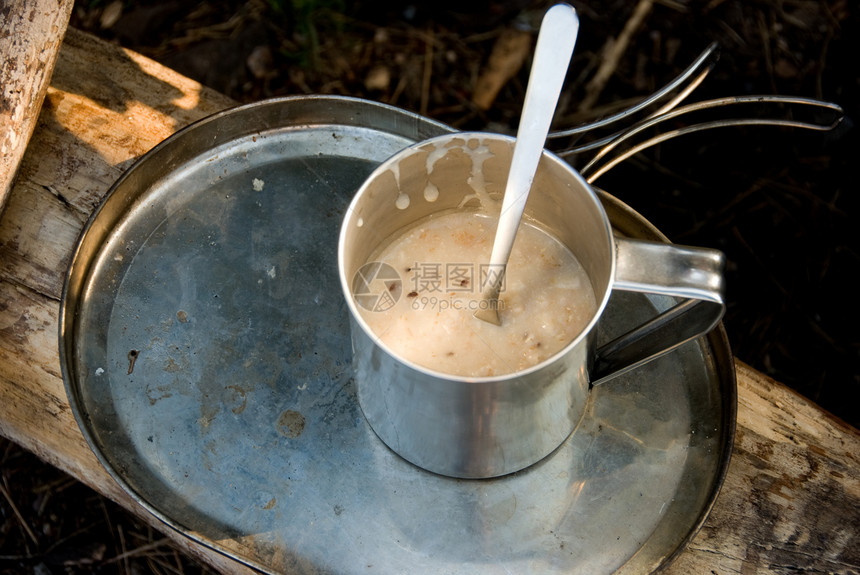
x=239, y=399
x=170, y=365
x=291, y=424
x=157, y=393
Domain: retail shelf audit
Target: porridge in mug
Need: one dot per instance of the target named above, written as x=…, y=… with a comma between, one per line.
x=546, y=299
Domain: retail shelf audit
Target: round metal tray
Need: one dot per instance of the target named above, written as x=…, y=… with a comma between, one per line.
x=205, y=349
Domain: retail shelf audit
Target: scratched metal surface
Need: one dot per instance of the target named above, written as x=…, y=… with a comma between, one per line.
x=205, y=348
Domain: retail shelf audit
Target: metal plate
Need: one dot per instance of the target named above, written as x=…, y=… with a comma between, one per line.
x=205, y=349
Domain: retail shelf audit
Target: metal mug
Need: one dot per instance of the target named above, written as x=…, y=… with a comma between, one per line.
x=490, y=426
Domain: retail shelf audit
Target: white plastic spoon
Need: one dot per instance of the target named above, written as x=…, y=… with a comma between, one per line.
x=555, y=42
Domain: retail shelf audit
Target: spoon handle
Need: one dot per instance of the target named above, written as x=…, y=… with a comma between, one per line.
x=555, y=42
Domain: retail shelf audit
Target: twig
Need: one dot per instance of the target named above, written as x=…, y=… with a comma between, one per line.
x=124, y=553
x=63, y=540
x=673, y=5
x=154, y=560
x=507, y=57
x=712, y=5
x=737, y=38
x=764, y=32
x=398, y=90
x=614, y=50
x=138, y=550
x=428, y=72
x=5, y=489
x=58, y=485
x=108, y=521
x=153, y=566
x=178, y=560
x=7, y=450
x=822, y=65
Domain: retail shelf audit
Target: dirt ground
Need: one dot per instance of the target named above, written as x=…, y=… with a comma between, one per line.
x=782, y=204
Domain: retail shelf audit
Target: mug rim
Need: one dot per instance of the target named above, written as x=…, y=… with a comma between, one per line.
x=445, y=376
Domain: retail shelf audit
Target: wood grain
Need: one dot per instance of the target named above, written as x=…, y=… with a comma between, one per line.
x=30, y=35
x=791, y=499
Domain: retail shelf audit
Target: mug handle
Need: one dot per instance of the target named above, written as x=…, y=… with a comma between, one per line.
x=693, y=274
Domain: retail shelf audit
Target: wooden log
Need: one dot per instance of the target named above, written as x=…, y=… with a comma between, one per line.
x=32, y=31
x=791, y=499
